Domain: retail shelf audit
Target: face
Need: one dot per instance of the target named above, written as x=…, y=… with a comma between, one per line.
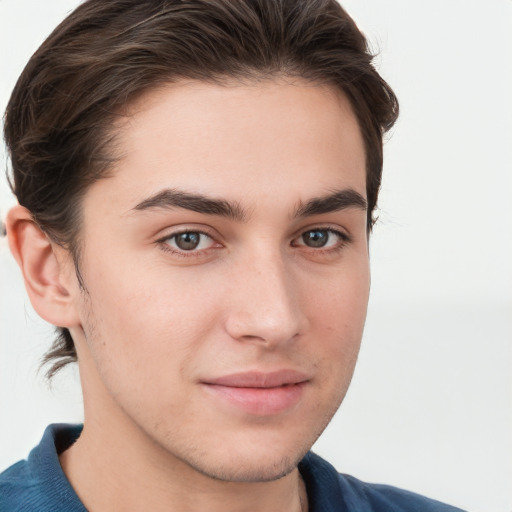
x=226, y=269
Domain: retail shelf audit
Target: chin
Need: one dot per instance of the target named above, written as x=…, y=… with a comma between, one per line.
x=249, y=471
x=242, y=458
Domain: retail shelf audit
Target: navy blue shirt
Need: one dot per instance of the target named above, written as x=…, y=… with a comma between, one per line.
x=38, y=484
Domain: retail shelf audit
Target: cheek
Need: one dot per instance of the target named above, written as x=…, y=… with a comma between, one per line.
x=340, y=304
x=338, y=314
x=140, y=324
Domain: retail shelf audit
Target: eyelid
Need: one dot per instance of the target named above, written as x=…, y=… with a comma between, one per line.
x=343, y=233
x=171, y=232
x=162, y=241
x=343, y=239
x=178, y=229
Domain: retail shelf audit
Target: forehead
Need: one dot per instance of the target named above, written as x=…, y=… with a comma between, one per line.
x=238, y=141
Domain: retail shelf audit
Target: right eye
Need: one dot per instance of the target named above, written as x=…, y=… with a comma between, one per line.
x=188, y=241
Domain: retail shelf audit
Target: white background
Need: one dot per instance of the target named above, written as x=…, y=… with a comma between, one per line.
x=430, y=408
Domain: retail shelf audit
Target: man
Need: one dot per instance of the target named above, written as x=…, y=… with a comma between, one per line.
x=196, y=184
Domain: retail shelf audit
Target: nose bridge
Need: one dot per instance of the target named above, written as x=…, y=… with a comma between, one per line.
x=265, y=305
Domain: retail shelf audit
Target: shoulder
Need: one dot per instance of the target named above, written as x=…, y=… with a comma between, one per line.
x=38, y=483
x=330, y=491
x=16, y=487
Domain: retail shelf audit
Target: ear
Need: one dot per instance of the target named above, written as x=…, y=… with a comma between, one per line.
x=47, y=269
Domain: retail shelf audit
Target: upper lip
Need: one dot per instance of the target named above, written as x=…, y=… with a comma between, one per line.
x=257, y=379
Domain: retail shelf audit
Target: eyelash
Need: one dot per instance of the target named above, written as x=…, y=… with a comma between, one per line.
x=343, y=239
x=164, y=243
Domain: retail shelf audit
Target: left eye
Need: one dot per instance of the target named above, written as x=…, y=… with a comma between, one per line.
x=190, y=241
x=320, y=238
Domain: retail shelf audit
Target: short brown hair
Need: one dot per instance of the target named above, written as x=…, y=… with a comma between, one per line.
x=58, y=123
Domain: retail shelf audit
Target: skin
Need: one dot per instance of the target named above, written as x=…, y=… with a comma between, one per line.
x=157, y=323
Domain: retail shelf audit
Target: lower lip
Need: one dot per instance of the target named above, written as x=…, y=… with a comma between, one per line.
x=260, y=401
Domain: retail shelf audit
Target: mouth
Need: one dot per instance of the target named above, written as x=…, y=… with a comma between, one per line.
x=258, y=393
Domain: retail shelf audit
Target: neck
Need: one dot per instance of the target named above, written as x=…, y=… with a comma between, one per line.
x=114, y=465
x=108, y=474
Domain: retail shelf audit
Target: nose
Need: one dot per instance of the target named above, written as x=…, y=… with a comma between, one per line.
x=265, y=306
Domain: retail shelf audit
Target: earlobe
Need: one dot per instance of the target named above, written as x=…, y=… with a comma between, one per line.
x=47, y=278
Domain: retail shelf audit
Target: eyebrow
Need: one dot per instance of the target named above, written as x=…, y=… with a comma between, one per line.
x=173, y=198
x=336, y=201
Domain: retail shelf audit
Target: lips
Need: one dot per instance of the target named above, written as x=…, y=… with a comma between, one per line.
x=259, y=393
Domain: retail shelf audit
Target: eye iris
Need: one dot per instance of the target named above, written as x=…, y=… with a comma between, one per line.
x=316, y=238
x=188, y=241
